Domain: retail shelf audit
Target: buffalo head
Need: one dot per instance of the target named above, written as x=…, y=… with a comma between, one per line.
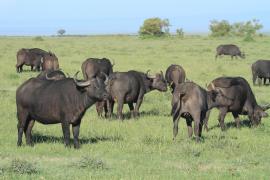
x=259, y=113
x=158, y=81
x=95, y=87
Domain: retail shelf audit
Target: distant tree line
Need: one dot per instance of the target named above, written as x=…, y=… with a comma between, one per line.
x=157, y=27
x=246, y=29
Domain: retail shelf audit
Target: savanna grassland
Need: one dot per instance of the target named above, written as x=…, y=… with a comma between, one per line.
x=143, y=148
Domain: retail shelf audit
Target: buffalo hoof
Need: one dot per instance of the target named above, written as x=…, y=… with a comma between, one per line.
x=67, y=146
x=30, y=144
x=198, y=139
x=76, y=146
x=206, y=128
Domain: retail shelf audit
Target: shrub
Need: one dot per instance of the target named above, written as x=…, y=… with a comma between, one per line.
x=249, y=28
x=22, y=167
x=180, y=33
x=220, y=28
x=38, y=38
x=91, y=163
x=154, y=27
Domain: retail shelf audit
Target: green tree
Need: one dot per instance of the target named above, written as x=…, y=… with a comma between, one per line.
x=220, y=28
x=247, y=29
x=61, y=32
x=154, y=27
x=180, y=32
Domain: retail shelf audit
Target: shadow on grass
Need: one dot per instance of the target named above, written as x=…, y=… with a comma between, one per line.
x=127, y=116
x=228, y=125
x=39, y=138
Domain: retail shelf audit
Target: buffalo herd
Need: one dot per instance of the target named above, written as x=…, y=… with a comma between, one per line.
x=52, y=97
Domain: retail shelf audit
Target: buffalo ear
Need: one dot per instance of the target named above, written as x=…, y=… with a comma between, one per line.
x=214, y=94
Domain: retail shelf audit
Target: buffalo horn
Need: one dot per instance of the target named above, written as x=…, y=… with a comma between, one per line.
x=48, y=78
x=149, y=76
x=265, y=107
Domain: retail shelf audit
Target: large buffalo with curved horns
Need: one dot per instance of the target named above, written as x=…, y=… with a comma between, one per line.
x=130, y=87
x=56, y=101
x=244, y=101
x=95, y=67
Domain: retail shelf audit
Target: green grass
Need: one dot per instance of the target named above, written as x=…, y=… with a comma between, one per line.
x=143, y=148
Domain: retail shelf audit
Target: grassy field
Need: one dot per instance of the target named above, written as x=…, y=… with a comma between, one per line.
x=143, y=148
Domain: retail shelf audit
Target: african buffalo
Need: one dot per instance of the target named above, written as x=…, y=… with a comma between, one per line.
x=229, y=49
x=94, y=67
x=175, y=74
x=191, y=102
x=130, y=87
x=260, y=70
x=49, y=61
x=32, y=57
x=244, y=101
x=49, y=102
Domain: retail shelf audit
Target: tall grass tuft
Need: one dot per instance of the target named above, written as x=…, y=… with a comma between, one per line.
x=91, y=163
x=22, y=167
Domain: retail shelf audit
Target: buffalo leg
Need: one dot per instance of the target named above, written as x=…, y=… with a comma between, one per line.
x=22, y=119
x=131, y=108
x=66, y=133
x=175, y=127
x=203, y=115
x=206, y=120
x=254, y=77
x=120, y=108
x=259, y=81
x=99, y=108
x=18, y=67
x=197, y=125
x=139, y=103
x=236, y=118
x=32, y=67
x=76, y=132
x=189, y=126
x=264, y=81
x=28, y=132
x=110, y=105
x=222, y=114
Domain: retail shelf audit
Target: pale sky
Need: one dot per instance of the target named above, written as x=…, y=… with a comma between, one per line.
x=40, y=17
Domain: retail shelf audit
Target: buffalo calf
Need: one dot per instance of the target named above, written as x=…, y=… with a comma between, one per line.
x=191, y=102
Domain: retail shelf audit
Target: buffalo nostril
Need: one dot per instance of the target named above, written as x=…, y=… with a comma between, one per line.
x=105, y=96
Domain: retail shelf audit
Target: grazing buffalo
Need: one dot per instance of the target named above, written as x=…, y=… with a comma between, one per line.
x=175, y=74
x=192, y=102
x=130, y=87
x=244, y=101
x=229, y=49
x=51, y=75
x=94, y=67
x=49, y=62
x=33, y=57
x=49, y=102
x=261, y=70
